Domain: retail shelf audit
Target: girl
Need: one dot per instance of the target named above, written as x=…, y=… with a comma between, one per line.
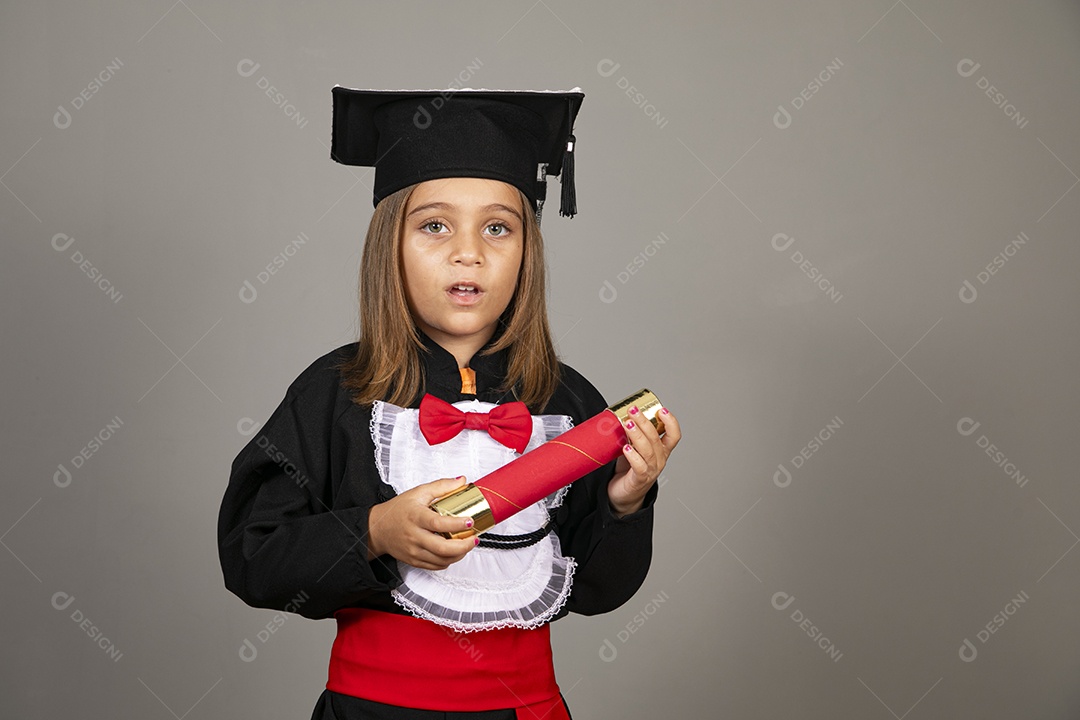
x=327, y=508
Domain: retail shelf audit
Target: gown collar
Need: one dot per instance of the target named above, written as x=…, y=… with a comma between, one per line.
x=442, y=367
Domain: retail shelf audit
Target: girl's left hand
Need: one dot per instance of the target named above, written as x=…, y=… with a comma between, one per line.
x=642, y=461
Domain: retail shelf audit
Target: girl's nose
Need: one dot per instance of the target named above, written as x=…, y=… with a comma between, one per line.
x=468, y=249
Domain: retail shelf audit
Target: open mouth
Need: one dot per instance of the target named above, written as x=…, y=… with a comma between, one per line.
x=465, y=290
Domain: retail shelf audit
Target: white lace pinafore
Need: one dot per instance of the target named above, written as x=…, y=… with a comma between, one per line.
x=491, y=587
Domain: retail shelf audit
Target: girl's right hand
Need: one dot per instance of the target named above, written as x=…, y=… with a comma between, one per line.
x=405, y=527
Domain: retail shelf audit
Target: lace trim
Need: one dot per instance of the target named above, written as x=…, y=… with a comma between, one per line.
x=554, y=426
x=382, y=432
x=536, y=613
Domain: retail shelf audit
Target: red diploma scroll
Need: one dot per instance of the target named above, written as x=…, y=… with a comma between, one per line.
x=555, y=464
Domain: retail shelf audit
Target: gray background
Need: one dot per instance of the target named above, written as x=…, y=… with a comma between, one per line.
x=898, y=179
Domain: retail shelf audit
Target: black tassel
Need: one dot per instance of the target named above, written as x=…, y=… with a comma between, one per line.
x=568, y=208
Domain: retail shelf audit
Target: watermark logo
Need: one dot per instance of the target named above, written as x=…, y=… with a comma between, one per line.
x=781, y=242
x=782, y=118
x=423, y=116
x=62, y=601
x=967, y=427
x=248, y=293
x=62, y=242
x=968, y=650
x=608, y=292
x=246, y=426
x=968, y=292
x=248, y=650
x=62, y=118
x=462, y=641
x=606, y=68
x=62, y=477
x=782, y=477
x=782, y=600
x=282, y=461
x=608, y=650
x=968, y=67
x=246, y=68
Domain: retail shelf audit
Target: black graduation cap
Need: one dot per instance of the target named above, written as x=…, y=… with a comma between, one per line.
x=410, y=136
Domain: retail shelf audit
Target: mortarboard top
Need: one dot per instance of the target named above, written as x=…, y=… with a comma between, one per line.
x=409, y=136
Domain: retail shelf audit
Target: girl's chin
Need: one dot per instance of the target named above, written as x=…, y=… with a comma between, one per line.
x=464, y=330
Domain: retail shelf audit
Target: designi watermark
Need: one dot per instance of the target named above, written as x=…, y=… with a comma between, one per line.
x=782, y=118
x=422, y=117
x=282, y=460
x=462, y=640
x=247, y=67
x=968, y=67
x=62, y=601
x=608, y=292
x=246, y=426
x=62, y=242
x=248, y=649
x=967, y=427
x=781, y=242
x=62, y=477
x=608, y=650
x=968, y=651
x=607, y=67
x=782, y=476
x=782, y=600
x=62, y=118
x=968, y=292
x=248, y=292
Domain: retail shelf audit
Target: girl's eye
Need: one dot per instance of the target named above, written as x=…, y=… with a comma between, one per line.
x=434, y=226
x=498, y=229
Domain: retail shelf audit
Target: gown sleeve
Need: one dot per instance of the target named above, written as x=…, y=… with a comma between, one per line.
x=613, y=554
x=283, y=542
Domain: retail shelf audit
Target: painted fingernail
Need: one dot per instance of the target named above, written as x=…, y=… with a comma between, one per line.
x=626, y=448
x=634, y=410
x=468, y=523
x=664, y=411
x=476, y=541
x=460, y=477
x=629, y=424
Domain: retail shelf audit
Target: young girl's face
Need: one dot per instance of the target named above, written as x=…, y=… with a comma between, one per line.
x=461, y=232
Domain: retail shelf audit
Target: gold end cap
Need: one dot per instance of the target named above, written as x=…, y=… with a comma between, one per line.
x=648, y=406
x=467, y=502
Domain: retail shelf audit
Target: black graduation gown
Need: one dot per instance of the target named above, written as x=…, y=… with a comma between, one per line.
x=293, y=521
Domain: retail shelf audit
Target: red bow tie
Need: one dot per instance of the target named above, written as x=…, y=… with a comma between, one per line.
x=511, y=423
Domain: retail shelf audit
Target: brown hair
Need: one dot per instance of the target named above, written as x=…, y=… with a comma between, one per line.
x=388, y=364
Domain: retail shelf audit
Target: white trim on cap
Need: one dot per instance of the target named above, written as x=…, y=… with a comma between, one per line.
x=445, y=90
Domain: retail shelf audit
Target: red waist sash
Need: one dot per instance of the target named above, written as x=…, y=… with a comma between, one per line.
x=409, y=662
